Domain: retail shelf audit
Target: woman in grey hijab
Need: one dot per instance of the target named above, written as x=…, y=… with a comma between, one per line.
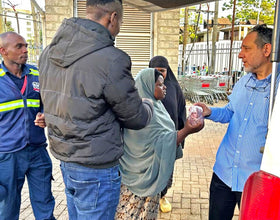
x=149, y=153
x=174, y=103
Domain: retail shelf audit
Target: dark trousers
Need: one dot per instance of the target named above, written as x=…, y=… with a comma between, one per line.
x=169, y=184
x=222, y=200
x=34, y=164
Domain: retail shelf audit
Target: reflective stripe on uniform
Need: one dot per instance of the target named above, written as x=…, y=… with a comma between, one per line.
x=2, y=72
x=33, y=102
x=34, y=72
x=7, y=106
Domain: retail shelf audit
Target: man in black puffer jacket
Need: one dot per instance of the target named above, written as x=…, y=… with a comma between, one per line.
x=89, y=95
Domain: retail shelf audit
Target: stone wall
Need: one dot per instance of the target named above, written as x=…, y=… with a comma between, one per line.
x=56, y=11
x=166, y=36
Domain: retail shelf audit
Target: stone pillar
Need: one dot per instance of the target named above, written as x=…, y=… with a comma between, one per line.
x=166, y=36
x=56, y=11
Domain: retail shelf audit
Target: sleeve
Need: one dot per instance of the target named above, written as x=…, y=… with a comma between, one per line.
x=222, y=115
x=182, y=117
x=121, y=94
x=181, y=109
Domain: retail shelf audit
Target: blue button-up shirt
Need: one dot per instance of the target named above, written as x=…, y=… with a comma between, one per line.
x=247, y=114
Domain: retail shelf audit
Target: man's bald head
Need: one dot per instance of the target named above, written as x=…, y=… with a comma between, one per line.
x=4, y=40
x=4, y=37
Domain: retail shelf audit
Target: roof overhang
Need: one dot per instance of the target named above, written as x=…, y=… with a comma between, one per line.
x=160, y=5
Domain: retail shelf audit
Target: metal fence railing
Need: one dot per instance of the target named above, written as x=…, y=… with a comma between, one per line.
x=195, y=58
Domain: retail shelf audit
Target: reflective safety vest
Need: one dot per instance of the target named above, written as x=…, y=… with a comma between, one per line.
x=18, y=111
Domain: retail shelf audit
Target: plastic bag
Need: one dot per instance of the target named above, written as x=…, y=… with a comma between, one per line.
x=195, y=115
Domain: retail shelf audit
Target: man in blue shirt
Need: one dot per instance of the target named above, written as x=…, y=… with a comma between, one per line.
x=22, y=143
x=247, y=114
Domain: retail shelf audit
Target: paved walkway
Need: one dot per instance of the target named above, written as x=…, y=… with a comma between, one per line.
x=190, y=191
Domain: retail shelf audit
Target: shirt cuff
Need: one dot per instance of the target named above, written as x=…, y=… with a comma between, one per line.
x=214, y=112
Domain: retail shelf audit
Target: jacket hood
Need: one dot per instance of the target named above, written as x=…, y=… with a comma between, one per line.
x=75, y=38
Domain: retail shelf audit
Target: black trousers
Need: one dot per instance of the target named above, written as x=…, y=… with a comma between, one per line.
x=169, y=184
x=222, y=200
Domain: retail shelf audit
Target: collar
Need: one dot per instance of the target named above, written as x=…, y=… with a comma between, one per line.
x=25, y=69
x=253, y=82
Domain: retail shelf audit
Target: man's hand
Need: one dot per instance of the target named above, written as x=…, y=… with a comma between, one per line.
x=40, y=120
x=206, y=110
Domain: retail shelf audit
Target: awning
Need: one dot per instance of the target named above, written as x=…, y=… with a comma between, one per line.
x=159, y=5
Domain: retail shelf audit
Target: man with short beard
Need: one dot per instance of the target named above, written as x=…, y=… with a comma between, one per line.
x=247, y=114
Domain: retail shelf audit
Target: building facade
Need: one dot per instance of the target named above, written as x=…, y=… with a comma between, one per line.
x=143, y=35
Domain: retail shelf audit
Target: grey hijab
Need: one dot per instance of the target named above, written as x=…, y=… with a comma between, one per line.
x=149, y=153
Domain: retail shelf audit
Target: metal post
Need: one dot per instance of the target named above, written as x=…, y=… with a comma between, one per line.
x=214, y=38
x=185, y=39
x=16, y=13
x=231, y=42
x=275, y=55
x=1, y=18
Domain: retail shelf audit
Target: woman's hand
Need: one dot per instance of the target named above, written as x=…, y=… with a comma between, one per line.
x=189, y=129
x=193, y=127
x=40, y=120
x=206, y=109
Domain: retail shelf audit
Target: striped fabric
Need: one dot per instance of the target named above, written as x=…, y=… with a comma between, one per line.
x=34, y=72
x=33, y=103
x=2, y=72
x=8, y=106
x=15, y=104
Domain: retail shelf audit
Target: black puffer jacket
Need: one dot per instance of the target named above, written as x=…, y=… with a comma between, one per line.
x=88, y=94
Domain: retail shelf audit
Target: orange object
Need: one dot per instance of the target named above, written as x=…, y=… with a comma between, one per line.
x=261, y=197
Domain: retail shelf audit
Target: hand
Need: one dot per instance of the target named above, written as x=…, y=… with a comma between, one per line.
x=206, y=110
x=194, y=127
x=40, y=120
x=189, y=128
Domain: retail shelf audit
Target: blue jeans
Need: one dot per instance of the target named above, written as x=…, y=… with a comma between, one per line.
x=35, y=164
x=222, y=200
x=91, y=193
